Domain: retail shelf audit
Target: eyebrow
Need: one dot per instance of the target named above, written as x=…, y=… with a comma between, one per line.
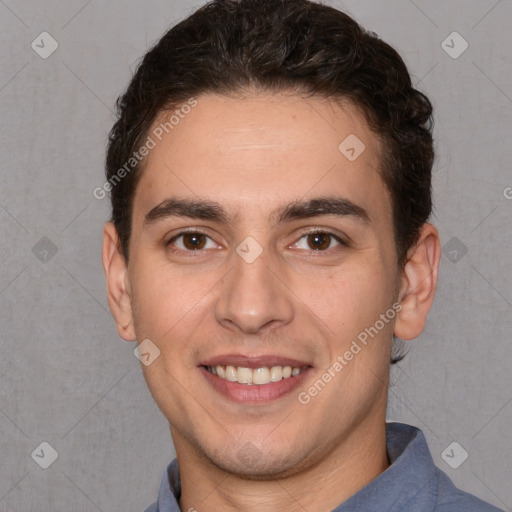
x=213, y=211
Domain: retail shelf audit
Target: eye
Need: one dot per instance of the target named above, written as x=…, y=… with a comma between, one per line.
x=319, y=241
x=191, y=241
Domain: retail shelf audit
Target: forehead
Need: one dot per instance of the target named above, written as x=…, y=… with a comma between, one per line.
x=254, y=152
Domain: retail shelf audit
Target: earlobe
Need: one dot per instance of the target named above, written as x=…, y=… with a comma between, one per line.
x=116, y=274
x=419, y=282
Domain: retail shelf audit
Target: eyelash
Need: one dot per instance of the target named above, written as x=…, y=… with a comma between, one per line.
x=195, y=231
x=314, y=231
x=189, y=253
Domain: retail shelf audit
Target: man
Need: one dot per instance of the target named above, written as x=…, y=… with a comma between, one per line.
x=270, y=175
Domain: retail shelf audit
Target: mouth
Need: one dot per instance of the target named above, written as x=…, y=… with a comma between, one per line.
x=257, y=376
x=254, y=380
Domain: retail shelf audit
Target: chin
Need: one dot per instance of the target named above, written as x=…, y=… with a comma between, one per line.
x=250, y=464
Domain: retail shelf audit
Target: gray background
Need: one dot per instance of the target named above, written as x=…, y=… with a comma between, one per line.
x=66, y=378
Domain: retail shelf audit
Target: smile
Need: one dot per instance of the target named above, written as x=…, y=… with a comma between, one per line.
x=254, y=376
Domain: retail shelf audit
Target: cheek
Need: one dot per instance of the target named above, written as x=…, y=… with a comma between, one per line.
x=348, y=299
x=165, y=300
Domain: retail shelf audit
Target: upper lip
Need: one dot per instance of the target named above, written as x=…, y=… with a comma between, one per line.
x=253, y=361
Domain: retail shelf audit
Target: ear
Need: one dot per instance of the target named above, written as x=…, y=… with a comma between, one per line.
x=118, y=291
x=418, y=283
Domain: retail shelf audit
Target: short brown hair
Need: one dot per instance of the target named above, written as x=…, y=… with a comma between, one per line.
x=227, y=46
x=230, y=46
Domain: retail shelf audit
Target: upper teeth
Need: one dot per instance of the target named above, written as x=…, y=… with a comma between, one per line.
x=262, y=375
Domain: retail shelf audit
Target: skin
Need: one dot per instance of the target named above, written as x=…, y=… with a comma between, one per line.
x=252, y=155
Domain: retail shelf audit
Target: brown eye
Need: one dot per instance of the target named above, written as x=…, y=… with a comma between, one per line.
x=191, y=241
x=319, y=241
x=194, y=241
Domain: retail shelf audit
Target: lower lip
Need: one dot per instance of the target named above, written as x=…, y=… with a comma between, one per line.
x=255, y=393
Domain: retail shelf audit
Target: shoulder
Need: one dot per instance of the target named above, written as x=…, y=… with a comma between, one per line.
x=452, y=499
x=152, y=508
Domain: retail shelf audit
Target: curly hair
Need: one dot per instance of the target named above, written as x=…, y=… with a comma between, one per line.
x=232, y=46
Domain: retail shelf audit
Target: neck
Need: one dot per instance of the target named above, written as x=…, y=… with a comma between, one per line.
x=322, y=485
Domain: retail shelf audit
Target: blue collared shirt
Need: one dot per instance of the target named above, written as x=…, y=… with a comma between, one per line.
x=411, y=484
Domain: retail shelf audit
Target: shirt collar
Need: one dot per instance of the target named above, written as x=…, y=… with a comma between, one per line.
x=409, y=483
x=409, y=479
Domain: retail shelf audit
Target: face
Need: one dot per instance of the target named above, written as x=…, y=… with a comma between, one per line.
x=259, y=247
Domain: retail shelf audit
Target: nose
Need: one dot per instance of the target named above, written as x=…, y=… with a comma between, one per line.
x=253, y=297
